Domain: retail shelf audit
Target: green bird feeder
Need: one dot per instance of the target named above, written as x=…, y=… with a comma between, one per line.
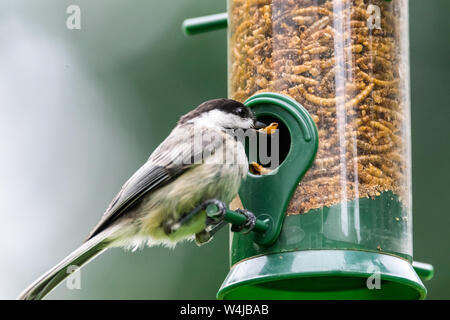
x=335, y=76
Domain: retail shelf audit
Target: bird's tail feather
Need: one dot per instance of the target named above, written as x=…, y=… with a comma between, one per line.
x=46, y=283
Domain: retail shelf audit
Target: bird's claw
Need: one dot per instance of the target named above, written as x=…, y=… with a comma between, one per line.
x=171, y=225
x=202, y=237
x=215, y=220
x=248, y=225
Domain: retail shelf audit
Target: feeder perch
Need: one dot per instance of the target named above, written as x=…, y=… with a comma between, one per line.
x=335, y=215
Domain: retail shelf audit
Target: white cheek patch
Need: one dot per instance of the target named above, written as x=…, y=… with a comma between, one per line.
x=217, y=118
x=247, y=123
x=209, y=119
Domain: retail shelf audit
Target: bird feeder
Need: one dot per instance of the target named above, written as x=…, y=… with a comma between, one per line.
x=335, y=76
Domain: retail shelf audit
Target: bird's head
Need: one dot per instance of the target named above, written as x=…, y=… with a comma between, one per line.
x=222, y=114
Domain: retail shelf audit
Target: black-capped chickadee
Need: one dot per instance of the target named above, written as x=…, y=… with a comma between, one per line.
x=199, y=160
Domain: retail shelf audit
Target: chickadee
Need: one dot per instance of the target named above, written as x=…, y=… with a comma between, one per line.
x=179, y=175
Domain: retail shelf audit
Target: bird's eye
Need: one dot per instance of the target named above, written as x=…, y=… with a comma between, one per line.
x=241, y=112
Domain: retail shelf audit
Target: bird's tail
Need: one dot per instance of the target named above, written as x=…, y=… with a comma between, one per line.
x=89, y=250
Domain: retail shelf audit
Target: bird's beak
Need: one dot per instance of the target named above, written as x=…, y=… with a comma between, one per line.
x=259, y=125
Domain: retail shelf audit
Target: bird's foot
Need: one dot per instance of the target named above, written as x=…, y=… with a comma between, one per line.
x=202, y=237
x=210, y=230
x=170, y=225
x=248, y=225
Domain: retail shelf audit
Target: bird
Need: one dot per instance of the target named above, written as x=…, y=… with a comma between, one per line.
x=190, y=166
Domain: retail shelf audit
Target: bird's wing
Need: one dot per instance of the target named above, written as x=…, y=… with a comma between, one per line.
x=177, y=154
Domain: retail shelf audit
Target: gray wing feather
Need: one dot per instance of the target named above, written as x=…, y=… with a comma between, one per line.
x=172, y=158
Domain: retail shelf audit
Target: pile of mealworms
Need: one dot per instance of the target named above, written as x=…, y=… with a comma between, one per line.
x=346, y=74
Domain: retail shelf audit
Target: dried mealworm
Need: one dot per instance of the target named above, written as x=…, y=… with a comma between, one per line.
x=370, y=179
x=324, y=102
x=326, y=162
x=361, y=96
x=374, y=148
x=387, y=83
x=300, y=79
x=303, y=20
x=315, y=26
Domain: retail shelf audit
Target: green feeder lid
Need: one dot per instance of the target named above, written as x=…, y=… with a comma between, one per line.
x=323, y=274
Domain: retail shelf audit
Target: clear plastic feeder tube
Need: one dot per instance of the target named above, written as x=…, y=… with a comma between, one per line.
x=346, y=62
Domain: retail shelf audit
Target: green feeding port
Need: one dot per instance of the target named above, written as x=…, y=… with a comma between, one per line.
x=338, y=205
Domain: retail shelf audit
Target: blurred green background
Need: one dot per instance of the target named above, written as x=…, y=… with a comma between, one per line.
x=81, y=110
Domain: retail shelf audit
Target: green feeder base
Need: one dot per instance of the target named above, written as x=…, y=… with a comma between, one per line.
x=323, y=274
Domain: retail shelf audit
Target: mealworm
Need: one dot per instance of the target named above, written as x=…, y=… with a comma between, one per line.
x=375, y=158
x=324, y=102
x=385, y=102
x=374, y=171
x=304, y=11
x=300, y=79
x=319, y=50
x=388, y=124
x=366, y=135
x=325, y=162
x=379, y=109
x=371, y=179
x=395, y=156
x=361, y=96
x=380, y=126
x=378, y=46
x=244, y=25
x=288, y=50
x=303, y=20
x=379, y=82
x=322, y=64
x=391, y=172
x=363, y=61
x=253, y=49
x=315, y=26
x=374, y=148
x=327, y=32
x=301, y=69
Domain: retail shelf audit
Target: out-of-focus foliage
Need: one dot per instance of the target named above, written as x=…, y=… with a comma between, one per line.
x=82, y=109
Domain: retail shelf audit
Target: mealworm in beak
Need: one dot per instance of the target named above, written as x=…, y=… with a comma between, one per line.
x=258, y=169
x=270, y=129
